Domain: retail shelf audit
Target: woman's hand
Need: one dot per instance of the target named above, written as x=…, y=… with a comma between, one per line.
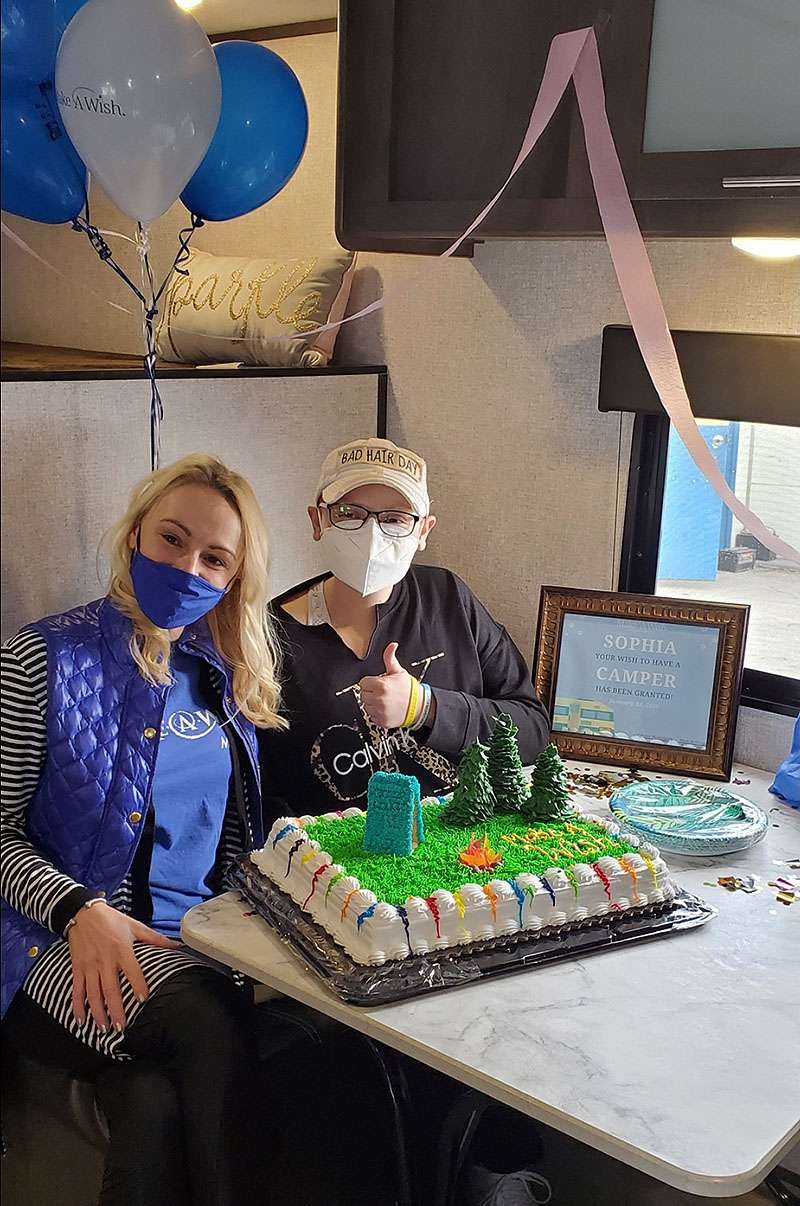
x=101, y=946
x=385, y=696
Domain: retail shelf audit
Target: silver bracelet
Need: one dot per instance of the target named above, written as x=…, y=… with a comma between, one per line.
x=87, y=904
x=424, y=710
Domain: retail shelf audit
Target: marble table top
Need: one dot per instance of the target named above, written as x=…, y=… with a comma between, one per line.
x=680, y=1057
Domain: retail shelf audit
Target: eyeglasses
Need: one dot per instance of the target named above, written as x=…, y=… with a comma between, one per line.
x=351, y=517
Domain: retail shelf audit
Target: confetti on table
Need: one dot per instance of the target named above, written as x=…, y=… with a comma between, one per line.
x=787, y=890
x=602, y=784
x=783, y=884
x=736, y=883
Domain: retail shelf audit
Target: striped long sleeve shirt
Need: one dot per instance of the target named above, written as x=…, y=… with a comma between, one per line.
x=34, y=886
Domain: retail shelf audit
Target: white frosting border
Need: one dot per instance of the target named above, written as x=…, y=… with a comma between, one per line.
x=373, y=931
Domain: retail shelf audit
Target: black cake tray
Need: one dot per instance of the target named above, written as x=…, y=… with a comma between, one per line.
x=401, y=979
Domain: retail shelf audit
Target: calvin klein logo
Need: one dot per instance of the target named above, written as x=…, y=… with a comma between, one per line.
x=86, y=100
x=344, y=760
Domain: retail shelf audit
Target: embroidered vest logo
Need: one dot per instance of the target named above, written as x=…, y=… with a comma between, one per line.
x=191, y=726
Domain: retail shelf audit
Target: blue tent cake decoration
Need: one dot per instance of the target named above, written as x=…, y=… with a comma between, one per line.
x=394, y=814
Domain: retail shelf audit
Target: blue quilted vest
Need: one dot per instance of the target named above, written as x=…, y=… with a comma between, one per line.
x=103, y=727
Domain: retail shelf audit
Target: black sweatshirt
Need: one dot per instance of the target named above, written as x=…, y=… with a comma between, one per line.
x=447, y=639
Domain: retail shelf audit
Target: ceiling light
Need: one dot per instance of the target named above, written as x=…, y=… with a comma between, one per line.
x=187, y=4
x=769, y=249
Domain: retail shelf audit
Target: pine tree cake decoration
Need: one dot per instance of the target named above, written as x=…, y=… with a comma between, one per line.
x=473, y=800
x=549, y=798
x=506, y=773
x=394, y=814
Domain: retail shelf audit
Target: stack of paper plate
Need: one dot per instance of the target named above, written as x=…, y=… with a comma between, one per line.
x=685, y=817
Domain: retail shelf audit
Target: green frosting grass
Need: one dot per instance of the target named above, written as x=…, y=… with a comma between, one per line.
x=434, y=864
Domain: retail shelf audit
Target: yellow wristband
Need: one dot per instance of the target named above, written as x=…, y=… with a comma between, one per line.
x=413, y=703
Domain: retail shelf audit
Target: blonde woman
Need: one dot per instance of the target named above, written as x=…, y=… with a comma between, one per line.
x=130, y=782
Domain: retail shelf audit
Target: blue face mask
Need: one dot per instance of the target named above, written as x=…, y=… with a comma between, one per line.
x=168, y=596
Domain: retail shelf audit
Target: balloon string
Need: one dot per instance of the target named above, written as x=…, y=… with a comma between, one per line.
x=84, y=226
x=115, y=234
x=183, y=255
x=148, y=296
x=149, y=311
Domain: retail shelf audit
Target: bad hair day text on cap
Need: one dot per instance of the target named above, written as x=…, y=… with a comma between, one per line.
x=388, y=457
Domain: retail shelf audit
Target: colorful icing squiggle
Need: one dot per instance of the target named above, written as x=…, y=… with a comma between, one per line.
x=624, y=862
x=490, y=893
x=520, y=895
x=333, y=880
x=314, y=879
x=651, y=867
x=307, y=857
x=459, y=901
x=362, y=917
x=347, y=900
x=604, y=880
x=549, y=888
x=282, y=833
x=300, y=842
x=433, y=905
x=404, y=918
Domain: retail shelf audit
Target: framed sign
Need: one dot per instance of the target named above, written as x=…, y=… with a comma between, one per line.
x=639, y=680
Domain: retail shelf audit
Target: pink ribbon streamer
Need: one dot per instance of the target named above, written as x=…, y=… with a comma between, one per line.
x=23, y=246
x=640, y=292
x=574, y=56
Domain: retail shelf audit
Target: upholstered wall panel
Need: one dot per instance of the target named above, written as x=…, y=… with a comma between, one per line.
x=494, y=362
x=73, y=449
x=494, y=366
x=763, y=739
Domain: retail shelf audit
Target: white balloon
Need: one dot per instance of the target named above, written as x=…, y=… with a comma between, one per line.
x=139, y=93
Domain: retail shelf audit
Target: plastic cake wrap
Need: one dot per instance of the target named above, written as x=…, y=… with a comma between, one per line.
x=400, y=979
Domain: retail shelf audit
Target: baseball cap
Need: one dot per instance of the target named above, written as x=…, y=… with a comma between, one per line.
x=375, y=462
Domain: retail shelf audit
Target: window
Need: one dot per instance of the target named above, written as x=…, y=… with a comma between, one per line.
x=680, y=540
x=703, y=552
x=677, y=536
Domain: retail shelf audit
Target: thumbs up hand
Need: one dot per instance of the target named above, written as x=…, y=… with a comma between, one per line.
x=385, y=696
x=390, y=659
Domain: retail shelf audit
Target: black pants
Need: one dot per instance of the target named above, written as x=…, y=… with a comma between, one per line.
x=183, y=1114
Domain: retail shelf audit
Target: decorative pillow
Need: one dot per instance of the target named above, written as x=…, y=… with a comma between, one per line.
x=255, y=311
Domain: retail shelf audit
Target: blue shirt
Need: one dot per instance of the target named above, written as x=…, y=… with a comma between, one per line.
x=190, y=794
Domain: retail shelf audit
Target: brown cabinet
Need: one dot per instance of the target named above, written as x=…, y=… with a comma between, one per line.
x=435, y=95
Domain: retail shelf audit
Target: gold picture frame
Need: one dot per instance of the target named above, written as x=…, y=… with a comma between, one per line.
x=652, y=680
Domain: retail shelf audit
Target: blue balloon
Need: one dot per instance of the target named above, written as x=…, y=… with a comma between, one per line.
x=43, y=177
x=30, y=32
x=260, y=138
x=65, y=11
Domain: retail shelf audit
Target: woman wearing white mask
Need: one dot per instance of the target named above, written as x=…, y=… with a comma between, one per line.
x=387, y=665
